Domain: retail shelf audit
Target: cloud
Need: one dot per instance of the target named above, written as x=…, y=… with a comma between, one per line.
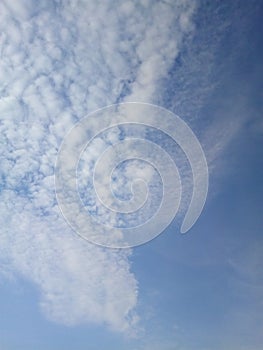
x=78, y=282
x=208, y=84
x=59, y=61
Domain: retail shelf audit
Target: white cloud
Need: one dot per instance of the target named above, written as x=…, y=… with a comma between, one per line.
x=78, y=282
x=60, y=61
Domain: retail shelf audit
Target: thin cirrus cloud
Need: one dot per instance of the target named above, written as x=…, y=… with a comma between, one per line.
x=60, y=61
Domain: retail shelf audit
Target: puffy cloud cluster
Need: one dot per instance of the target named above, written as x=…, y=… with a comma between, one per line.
x=59, y=61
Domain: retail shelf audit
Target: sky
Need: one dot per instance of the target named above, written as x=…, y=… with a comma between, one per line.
x=62, y=62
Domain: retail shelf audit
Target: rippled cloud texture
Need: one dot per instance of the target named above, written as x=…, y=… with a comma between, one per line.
x=59, y=61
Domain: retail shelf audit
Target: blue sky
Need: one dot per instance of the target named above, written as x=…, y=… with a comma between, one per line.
x=61, y=60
